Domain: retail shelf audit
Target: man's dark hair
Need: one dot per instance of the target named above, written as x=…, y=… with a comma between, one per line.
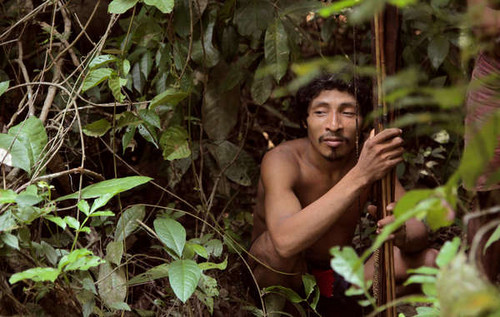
x=360, y=88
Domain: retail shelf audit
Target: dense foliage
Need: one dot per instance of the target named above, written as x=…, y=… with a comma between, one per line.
x=132, y=132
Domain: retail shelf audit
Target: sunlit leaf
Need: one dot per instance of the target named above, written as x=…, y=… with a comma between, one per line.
x=128, y=221
x=183, y=277
x=112, y=186
x=84, y=207
x=121, y=6
x=495, y=236
x=210, y=265
x=347, y=263
x=448, y=252
x=171, y=233
x=102, y=60
x=7, y=196
x=95, y=77
x=37, y=274
x=79, y=259
x=337, y=7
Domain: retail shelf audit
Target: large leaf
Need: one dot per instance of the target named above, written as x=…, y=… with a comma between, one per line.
x=4, y=85
x=96, y=76
x=347, y=263
x=19, y=155
x=128, y=222
x=171, y=233
x=112, y=284
x=165, y=6
x=238, y=165
x=169, y=97
x=102, y=60
x=79, y=259
x=253, y=16
x=97, y=128
x=31, y=133
x=150, y=117
x=276, y=49
x=112, y=186
x=205, y=53
x=37, y=274
x=114, y=252
x=438, y=50
x=219, y=109
x=7, y=196
x=174, y=142
x=183, y=277
x=121, y=6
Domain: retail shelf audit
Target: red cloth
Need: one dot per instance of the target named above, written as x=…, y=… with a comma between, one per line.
x=483, y=98
x=324, y=280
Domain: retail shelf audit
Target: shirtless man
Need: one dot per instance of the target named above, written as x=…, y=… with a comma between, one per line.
x=312, y=190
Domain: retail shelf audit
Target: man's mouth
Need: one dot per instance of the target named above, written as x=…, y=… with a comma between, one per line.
x=332, y=141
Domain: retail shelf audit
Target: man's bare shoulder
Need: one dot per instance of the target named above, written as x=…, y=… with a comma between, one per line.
x=288, y=153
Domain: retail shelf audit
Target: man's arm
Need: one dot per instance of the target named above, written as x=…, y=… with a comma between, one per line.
x=293, y=228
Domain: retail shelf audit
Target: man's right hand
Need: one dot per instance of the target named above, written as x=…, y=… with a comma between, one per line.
x=381, y=153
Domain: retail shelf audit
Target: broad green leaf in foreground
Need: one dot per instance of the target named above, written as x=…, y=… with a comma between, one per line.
x=121, y=6
x=448, y=252
x=183, y=277
x=112, y=186
x=79, y=259
x=37, y=274
x=171, y=233
x=128, y=221
x=347, y=263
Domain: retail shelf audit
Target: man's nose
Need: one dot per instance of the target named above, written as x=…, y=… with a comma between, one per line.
x=334, y=122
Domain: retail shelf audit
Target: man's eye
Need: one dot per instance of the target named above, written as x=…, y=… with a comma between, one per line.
x=319, y=112
x=349, y=113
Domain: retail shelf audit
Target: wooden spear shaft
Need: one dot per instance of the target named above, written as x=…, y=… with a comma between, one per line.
x=387, y=284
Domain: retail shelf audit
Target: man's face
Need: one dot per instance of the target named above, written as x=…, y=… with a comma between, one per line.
x=331, y=124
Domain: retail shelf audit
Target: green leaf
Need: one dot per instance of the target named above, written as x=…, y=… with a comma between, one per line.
x=18, y=153
x=207, y=54
x=495, y=236
x=238, y=165
x=261, y=88
x=102, y=60
x=150, y=117
x=253, y=16
x=112, y=284
x=72, y=222
x=146, y=63
x=420, y=279
x=101, y=201
x=7, y=196
x=410, y=200
x=4, y=85
x=210, y=265
x=95, y=77
x=437, y=50
x=37, y=274
x=347, y=263
x=309, y=284
x=125, y=71
x=171, y=233
x=112, y=186
x=169, y=97
x=424, y=270
x=31, y=133
x=126, y=119
x=276, y=49
x=165, y=6
x=128, y=221
x=7, y=221
x=79, y=259
x=29, y=197
x=114, y=252
x=214, y=247
x=148, y=133
x=115, y=83
x=183, y=277
x=57, y=220
x=157, y=272
x=128, y=136
x=84, y=207
x=198, y=249
x=448, y=252
x=337, y=7
x=290, y=294
x=10, y=240
x=121, y=6
x=174, y=142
